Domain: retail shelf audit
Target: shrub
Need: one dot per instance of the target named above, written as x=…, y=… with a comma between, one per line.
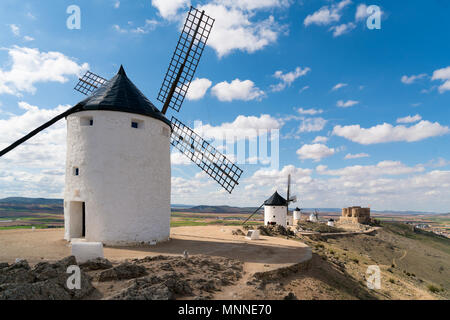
x=433, y=288
x=391, y=280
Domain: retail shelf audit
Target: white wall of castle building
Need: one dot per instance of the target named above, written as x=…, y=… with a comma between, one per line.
x=275, y=214
x=124, y=178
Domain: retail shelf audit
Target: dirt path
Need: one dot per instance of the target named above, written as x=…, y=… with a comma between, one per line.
x=265, y=254
x=401, y=258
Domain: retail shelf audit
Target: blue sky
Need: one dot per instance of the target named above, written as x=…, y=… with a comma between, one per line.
x=363, y=114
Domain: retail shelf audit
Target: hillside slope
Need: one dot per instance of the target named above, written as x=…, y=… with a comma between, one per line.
x=414, y=266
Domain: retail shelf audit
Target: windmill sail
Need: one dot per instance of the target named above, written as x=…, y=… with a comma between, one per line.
x=204, y=155
x=36, y=131
x=89, y=82
x=185, y=59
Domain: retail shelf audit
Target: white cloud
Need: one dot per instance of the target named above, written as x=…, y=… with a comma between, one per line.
x=380, y=169
x=28, y=38
x=254, y=4
x=312, y=125
x=320, y=139
x=15, y=29
x=315, y=151
x=444, y=75
x=240, y=128
x=361, y=12
x=35, y=168
x=346, y=104
x=339, y=86
x=409, y=119
x=148, y=26
x=278, y=178
x=30, y=66
x=387, y=133
x=288, y=78
x=235, y=30
x=198, y=88
x=356, y=156
x=177, y=158
x=327, y=14
x=310, y=112
x=117, y=5
x=237, y=25
x=342, y=29
x=168, y=9
x=411, y=79
x=237, y=90
x=303, y=89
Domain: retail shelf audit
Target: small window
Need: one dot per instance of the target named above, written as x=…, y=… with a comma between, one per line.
x=87, y=121
x=137, y=124
x=76, y=171
x=165, y=132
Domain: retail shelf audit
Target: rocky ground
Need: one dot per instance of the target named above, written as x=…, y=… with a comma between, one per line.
x=151, y=278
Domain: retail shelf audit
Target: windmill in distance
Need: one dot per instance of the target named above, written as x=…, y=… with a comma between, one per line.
x=118, y=178
x=276, y=208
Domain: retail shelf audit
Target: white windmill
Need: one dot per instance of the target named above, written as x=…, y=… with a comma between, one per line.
x=118, y=177
x=276, y=208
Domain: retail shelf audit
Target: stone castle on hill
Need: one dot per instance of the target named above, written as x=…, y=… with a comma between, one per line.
x=355, y=215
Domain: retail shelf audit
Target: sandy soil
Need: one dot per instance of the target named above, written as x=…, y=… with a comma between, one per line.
x=265, y=254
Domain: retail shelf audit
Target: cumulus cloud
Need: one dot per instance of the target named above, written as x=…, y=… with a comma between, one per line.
x=30, y=66
x=278, y=178
x=388, y=133
x=288, y=78
x=409, y=119
x=315, y=151
x=237, y=90
x=443, y=75
x=237, y=28
x=392, y=185
x=198, y=88
x=413, y=78
x=177, y=158
x=346, y=104
x=380, y=169
x=242, y=127
x=35, y=168
x=342, y=29
x=320, y=139
x=168, y=9
x=356, y=156
x=327, y=14
x=312, y=125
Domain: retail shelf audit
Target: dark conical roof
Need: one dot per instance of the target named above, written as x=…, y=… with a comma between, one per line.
x=120, y=94
x=276, y=200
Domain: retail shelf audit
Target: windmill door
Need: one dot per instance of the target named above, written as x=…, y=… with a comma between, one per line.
x=77, y=219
